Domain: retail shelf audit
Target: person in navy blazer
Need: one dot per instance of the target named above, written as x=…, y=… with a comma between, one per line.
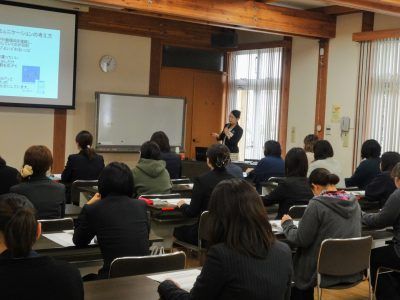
x=86, y=165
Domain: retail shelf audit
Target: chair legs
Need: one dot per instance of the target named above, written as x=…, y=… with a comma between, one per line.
x=319, y=290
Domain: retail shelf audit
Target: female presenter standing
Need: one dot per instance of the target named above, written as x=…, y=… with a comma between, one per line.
x=231, y=134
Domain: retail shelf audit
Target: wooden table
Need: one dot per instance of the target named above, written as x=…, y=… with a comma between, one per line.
x=132, y=287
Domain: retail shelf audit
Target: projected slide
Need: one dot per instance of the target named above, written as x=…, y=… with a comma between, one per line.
x=29, y=61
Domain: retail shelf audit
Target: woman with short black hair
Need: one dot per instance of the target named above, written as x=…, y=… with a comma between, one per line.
x=23, y=273
x=119, y=222
x=323, y=158
x=368, y=169
x=272, y=165
x=172, y=160
x=217, y=160
x=389, y=255
x=329, y=214
x=8, y=177
x=150, y=175
x=245, y=261
x=85, y=165
x=294, y=189
x=47, y=196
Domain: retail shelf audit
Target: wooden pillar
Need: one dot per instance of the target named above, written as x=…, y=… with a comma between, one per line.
x=284, y=109
x=59, y=137
x=155, y=66
x=322, y=81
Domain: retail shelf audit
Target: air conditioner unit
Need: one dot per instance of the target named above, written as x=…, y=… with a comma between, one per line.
x=56, y=4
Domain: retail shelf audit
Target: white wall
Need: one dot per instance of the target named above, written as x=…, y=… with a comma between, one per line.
x=302, y=94
x=342, y=86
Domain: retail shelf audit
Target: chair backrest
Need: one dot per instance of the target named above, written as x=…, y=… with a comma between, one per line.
x=297, y=211
x=57, y=224
x=75, y=192
x=204, y=230
x=340, y=257
x=138, y=265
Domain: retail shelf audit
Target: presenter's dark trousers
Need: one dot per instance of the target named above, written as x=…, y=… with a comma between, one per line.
x=389, y=283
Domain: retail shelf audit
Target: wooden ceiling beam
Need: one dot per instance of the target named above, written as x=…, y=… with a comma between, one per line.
x=240, y=14
x=388, y=7
x=336, y=10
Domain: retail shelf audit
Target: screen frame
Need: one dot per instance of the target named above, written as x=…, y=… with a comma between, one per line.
x=59, y=10
x=132, y=148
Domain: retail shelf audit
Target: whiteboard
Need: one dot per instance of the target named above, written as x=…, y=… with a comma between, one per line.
x=124, y=122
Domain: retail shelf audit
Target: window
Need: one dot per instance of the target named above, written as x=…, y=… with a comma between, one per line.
x=255, y=78
x=378, y=108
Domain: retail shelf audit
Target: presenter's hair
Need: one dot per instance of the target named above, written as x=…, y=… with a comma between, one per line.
x=237, y=219
x=323, y=177
x=85, y=139
x=18, y=224
x=309, y=142
x=389, y=160
x=272, y=148
x=322, y=150
x=150, y=150
x=219, y=156
x=236, y=113
x=370, y=149
x=162, y=140
x=39, y=158
x=116, y=178
x=296, y=163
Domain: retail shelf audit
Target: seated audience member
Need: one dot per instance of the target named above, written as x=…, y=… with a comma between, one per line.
x=119, y=222
x=172, y=160
x=309, y=142
x=330, y=214
x=47, y=196
x=23, y=273
x=382, y=186
x=387, y=256
x=295, y=189
x=217, y=160
x=86, y=165
x=8, y=177
x=323, y=158
x=150, y=175
x=368, y=169
x=245, y=261
x=272, y=165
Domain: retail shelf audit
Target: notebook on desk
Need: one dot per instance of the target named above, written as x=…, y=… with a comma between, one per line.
x=185, y=279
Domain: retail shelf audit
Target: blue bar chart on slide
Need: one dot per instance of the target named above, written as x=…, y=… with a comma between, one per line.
x=29, y=61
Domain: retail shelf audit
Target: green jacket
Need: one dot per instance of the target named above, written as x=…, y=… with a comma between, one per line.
x=151, y=177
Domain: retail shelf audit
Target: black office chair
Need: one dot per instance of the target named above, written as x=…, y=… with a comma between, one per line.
x=76, y=191
x=138, y=265
x=57, y=224
x=297, y=211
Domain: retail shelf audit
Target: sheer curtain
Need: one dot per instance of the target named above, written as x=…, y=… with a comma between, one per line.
x=255, y=78
x=378, y=103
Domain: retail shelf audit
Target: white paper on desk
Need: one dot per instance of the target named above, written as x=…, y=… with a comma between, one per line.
x=63, y=238
x=276, y=225
x=185, y=279
x=176, y=200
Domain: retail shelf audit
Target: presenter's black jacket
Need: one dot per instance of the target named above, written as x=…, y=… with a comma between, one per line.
x=38, y=277
x=47, y=196
x=202, y=189
x=233, y=142
x=120, y=224
x=173, y=164
x=380, y=188
x=8, y=177
x=366, y=171
x=228, y=274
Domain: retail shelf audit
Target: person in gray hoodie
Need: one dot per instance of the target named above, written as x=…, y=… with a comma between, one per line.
x=330, y=214
x=150, y=175
x=387, y=256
